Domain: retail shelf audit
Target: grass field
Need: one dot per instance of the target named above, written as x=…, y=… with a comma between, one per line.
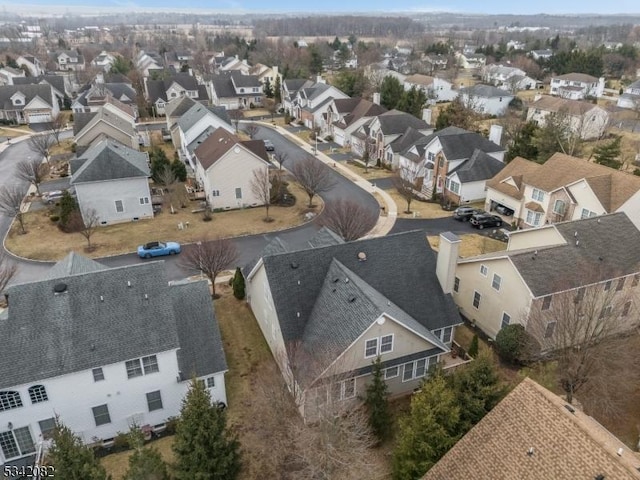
x=472, y=244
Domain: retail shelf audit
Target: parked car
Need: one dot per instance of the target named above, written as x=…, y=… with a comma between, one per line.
x=54, y=196
x=463, y=214
x=269, y=146
x=502, y=210
x=166, y=135
x=157, y=249
x=483, y=220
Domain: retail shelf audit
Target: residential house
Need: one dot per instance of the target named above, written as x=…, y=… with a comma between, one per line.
x=69, y=60
x=311, y=103
x=577, y=86
x=289, y=90
x=28, y=104
x=177, y=59
x=58, y=83
x=486, y=99
x=563, y=188
x=327, y=313
x=346, y=115
x=116, y=347
x=148, y=61
x=377, y=134
x=541, y=54
x=195, y=125
x=631, y=97
x=436, y=89
x=95, y=95
x=159, y=92
x=31, y=63
x=589, y=257
x=7, y=74
x=173, y=111
x=265, y=74
x=103, y=60
x=106, y=123
x=471, y=60
x=436, y=62
x=454, y=162
x=234, y=64
x=532, y=433
x=511, y=78
x=112, y=180
x=233, y=90
x=516, y=45
x=225, y=168
x=584, y=119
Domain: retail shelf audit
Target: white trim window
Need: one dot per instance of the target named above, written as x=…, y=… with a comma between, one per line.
x=10, y=399
x=371, y=348
x=38, y=394
x=484, y=270
x=386, y=344
x=16, y=443
x=453, y=186
x=119, y=206
x=98, y=374
x=378, y=346
x=496, y=283
x=447, y=332
x=344, y=389
x=101, y=414
x=391, y=372
x=477, y=297
x=538, y=195
x=141, y=366
x=144, y=200
x=559, y=207
x=506, y=320
x=533, y=218
x=418, y=368
x=586, y=213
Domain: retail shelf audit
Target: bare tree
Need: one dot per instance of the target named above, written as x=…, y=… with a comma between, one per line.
x=11, y=198
x=177, y=195
x=349, y=219
x=41, y=144
x=90, y=223
x=261, y=188
x=56, y=125
x=281, y=157
x=7, y=270
x=210, y=257
x=252, y=130
x=313, y=176
x=32, y=171
x=406, y=181
x=583, y=331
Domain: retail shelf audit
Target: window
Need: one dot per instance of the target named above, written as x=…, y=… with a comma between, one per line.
x=431, y=156
x=454, y=186
x=46, y=427
x=483, y=270
x=533, y=218
x=371, y=348
x=476, y=299
x=345, y=389
x=506, y=319
x=456, y=284
x=38, y=394
x=119, y=206
x=496, y=282
x=635, y=281
x=9, y=400
x=415, y=369
x=626, y=308
x=391, y=372
x=242, y=90
x=101, y=415
x=150, y=364
x=551, y=327
x=620, y=284
x=16, y=443
x=537, y=195
x=98, y=374
x=587, y=214
x=559, y=207
x=446, y=334
x=546, y=302
x=437, y=333
x=211, y=382
x=421, y=368
x=8, y=445
x=238, y=193
x=144, y=200
x=154, y=401
x=134, y=369
x=215, y=193
x=607, y=286
x=386, y=344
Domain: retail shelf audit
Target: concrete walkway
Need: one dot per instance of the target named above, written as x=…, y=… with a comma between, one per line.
x=385, y=223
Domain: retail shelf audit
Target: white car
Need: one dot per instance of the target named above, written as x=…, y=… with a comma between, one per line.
x=55, y=196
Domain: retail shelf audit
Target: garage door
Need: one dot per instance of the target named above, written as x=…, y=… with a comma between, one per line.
x=39, y=117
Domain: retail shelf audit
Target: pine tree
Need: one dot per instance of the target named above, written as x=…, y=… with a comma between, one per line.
x=607, y=154
x=144, y=463
x=179, y=170
x=72, y=459
x=238, y=284
x=429, y=430
x=277, y=94
x=412, y=101
x=377, y=403
x=204, y=448
x=473, y=349
x=523, y=144
x=391, y=92
x=159, y=162
x=268, y=89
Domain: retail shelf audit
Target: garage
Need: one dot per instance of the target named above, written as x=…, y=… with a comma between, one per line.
x=38, y=117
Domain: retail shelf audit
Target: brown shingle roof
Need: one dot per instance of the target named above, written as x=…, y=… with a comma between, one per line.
x=534, y=207
x=577, y=77
x=215, y=146
x=565, y=445
x=419, y=79
x=516, y=172
x=558, y=104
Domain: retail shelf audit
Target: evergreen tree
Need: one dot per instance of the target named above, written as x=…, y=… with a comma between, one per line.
x=377, y=402
x=335, y=44
x=179, y=170
x=268, y=89
x=315, y=61
x=473, y=349
x=352, y=82
x=523, y=143
x=607, y=154
x=412, y=101
x=204, y=448
x=159, y=162
x=144, y=463
x=68, y=206
x=238, y=284
x=391, y=92
x=72, y=459
x=277, y=95
x=429, y=430
x=121, y=65
x=456, y=114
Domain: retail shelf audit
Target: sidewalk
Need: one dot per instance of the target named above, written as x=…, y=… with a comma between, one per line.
x=385, y=223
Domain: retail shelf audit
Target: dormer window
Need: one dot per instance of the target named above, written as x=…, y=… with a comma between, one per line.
x=242, y=90
x=17, y=101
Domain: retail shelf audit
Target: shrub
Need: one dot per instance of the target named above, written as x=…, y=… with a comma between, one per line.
x=171, y=425
x=473, y=349
x=513, y=344
x=252, y=106
x=206, y=215
x=74, y=147
x=54, y=218
x=238, y=285
x=121, y=441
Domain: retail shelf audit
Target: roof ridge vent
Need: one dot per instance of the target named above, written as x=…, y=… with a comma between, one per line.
x=60, y=288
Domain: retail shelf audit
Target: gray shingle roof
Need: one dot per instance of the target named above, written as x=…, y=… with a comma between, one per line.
x=395, y=122
x=104, y=115
x=73, y=264
x=458, y=144
x=485, y=91
x=56, y=81
x=400, y=267
x=223, y=84
x=109, y=160
x=30, y=92
x=158, y=88
x=323, y=237
x=197, y=112
x=81, y=119
x=100, y=320
x=480, y=166
x=178, y=106
x=406, y=140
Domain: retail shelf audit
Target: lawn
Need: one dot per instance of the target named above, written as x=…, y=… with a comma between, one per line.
x=63, y=147
x=117, y=464
x=44, y=241
x=419, y=208
x=14, y=131
x=371, y=173
x=156, y=141
x=472, y=244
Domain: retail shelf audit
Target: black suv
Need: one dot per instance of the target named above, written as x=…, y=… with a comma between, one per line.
x=483, y=220
x=463, y=214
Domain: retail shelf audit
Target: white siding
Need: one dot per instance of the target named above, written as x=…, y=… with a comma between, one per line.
x=101, y=196
x=472, y=191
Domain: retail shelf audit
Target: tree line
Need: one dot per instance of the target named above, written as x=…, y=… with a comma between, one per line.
x=339, y=25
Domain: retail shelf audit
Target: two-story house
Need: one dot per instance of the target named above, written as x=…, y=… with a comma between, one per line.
x=177, y=59
x=311, y=103
x=69, y=60
x=148, y=61
x=584, y=119
x=541, y=54
x=234, y=64
x=115, y=347
x=470, y=61
x=112, y=180
x=109, y=122
x=265, y=74
x=346, y=115
x=28, y=104
x=486, y=99
x=327, y=313
x=32, y=64
x=510, y=78
x=226, y=167
x=577, y=86
x=563, y=188
x=159, y=92
x=8, y=74
x=436, y=89
x=592, y=258
x=96, y=94
x=103, y=60
x=289, y=90
x=233, y=90
x=631, y=96
x=58, y=84
x=436, y=62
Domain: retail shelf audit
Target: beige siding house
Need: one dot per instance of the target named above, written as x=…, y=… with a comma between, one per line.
x=584, y=119
x=327, y=314
x=107, y=123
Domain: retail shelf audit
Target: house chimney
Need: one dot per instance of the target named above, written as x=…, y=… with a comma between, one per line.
x=319, y=79
x=99, y=77
x=537, y=97
x=426, y=115
x=495, y=134
x=275, y=72
x=447, y=260
x=376, y=98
